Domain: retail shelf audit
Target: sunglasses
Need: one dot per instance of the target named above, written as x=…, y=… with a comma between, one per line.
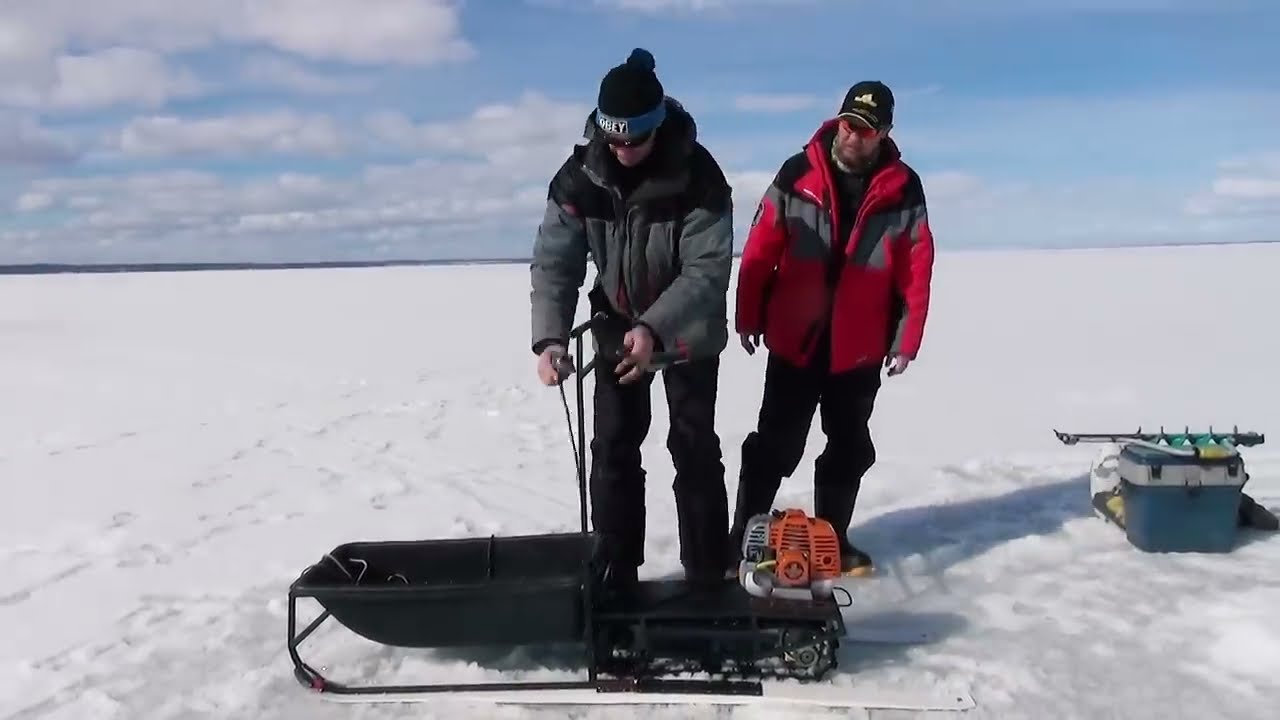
x=628, y=141
x=858, y=129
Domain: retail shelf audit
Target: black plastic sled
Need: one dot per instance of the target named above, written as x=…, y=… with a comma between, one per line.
x=509, y=591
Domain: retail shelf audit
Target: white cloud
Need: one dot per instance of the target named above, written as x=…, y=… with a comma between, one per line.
x=989, y=7
x=23, y=141
x=1025, y=124
x=689, y=6
x=413, y=210
x=967, y=209
x=29, y=202
x=948, y=185
x=520, y=140
x=472, y=184
x=475, y=185
x=496, y=131
x=405, y=31
x=748, y=188
x=1244, y=187
x=72, y=54
x=276, y=132
x=100, y=79
x=1015, y=7
x=1248, y=188
x=655, y=6
x=276, y=72
x=467, y=207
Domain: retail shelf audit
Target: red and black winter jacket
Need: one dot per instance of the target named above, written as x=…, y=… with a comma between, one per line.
x=874, y=299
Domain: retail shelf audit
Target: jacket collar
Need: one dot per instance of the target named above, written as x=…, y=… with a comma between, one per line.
x=886, y=181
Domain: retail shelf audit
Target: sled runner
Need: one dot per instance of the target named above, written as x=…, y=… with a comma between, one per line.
x=509, y=591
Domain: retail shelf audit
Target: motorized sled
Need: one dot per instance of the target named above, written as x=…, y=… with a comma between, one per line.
x=780, y=620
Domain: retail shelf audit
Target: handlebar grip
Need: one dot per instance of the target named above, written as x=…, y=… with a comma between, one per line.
x=657, y=361
x=591, y=323
x=598, y=319
x=667, y=358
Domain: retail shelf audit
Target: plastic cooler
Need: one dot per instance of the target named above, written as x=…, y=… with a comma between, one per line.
x=1175, y=502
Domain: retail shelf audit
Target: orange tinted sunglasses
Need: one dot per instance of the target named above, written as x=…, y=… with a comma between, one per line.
x=858, y=129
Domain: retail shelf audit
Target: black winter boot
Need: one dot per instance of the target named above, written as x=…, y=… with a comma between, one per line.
x=853, y=560
x=834, y=503
x=621, y=581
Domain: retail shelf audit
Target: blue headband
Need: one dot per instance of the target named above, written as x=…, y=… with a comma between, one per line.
x=630, y=127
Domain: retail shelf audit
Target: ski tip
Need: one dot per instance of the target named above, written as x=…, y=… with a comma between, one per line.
x=964, y=700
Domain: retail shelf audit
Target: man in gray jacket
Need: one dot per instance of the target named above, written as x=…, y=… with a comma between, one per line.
x=651, y=207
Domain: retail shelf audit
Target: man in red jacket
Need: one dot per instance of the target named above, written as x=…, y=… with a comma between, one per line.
x=835, y=276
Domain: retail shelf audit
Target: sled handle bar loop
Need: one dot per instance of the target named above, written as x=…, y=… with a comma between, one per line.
x=657, y=361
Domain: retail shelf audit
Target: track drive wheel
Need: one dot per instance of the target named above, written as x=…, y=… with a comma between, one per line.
x=805, y=653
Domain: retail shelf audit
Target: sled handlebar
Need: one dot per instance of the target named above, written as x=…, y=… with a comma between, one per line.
x=585, y=326
x=657, y=360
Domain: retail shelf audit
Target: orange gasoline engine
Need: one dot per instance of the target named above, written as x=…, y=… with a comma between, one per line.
x=788, y=554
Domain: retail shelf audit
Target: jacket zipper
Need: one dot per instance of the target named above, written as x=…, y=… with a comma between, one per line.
x=836, y=267
x=623, y=226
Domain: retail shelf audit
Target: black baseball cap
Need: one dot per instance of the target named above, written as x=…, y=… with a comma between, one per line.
x=870, y=102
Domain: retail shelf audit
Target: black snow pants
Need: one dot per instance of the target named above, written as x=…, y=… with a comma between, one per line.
x=617, y=479
x=773, y=451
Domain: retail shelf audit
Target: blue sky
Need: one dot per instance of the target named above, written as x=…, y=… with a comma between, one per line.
x=136, y=130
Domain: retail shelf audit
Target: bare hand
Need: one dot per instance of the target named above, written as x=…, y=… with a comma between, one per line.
x=897, y=364
x=638, y=346
x=750, y=341
x=554, y=365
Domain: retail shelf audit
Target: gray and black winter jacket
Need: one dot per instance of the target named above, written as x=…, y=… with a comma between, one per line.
x=663, y=248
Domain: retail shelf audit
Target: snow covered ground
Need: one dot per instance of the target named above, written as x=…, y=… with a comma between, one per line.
x=175, y=448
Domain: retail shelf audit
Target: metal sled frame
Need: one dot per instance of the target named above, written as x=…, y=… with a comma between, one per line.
x=309, y=677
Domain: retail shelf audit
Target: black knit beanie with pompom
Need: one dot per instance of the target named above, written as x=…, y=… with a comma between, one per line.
x=631, y=97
